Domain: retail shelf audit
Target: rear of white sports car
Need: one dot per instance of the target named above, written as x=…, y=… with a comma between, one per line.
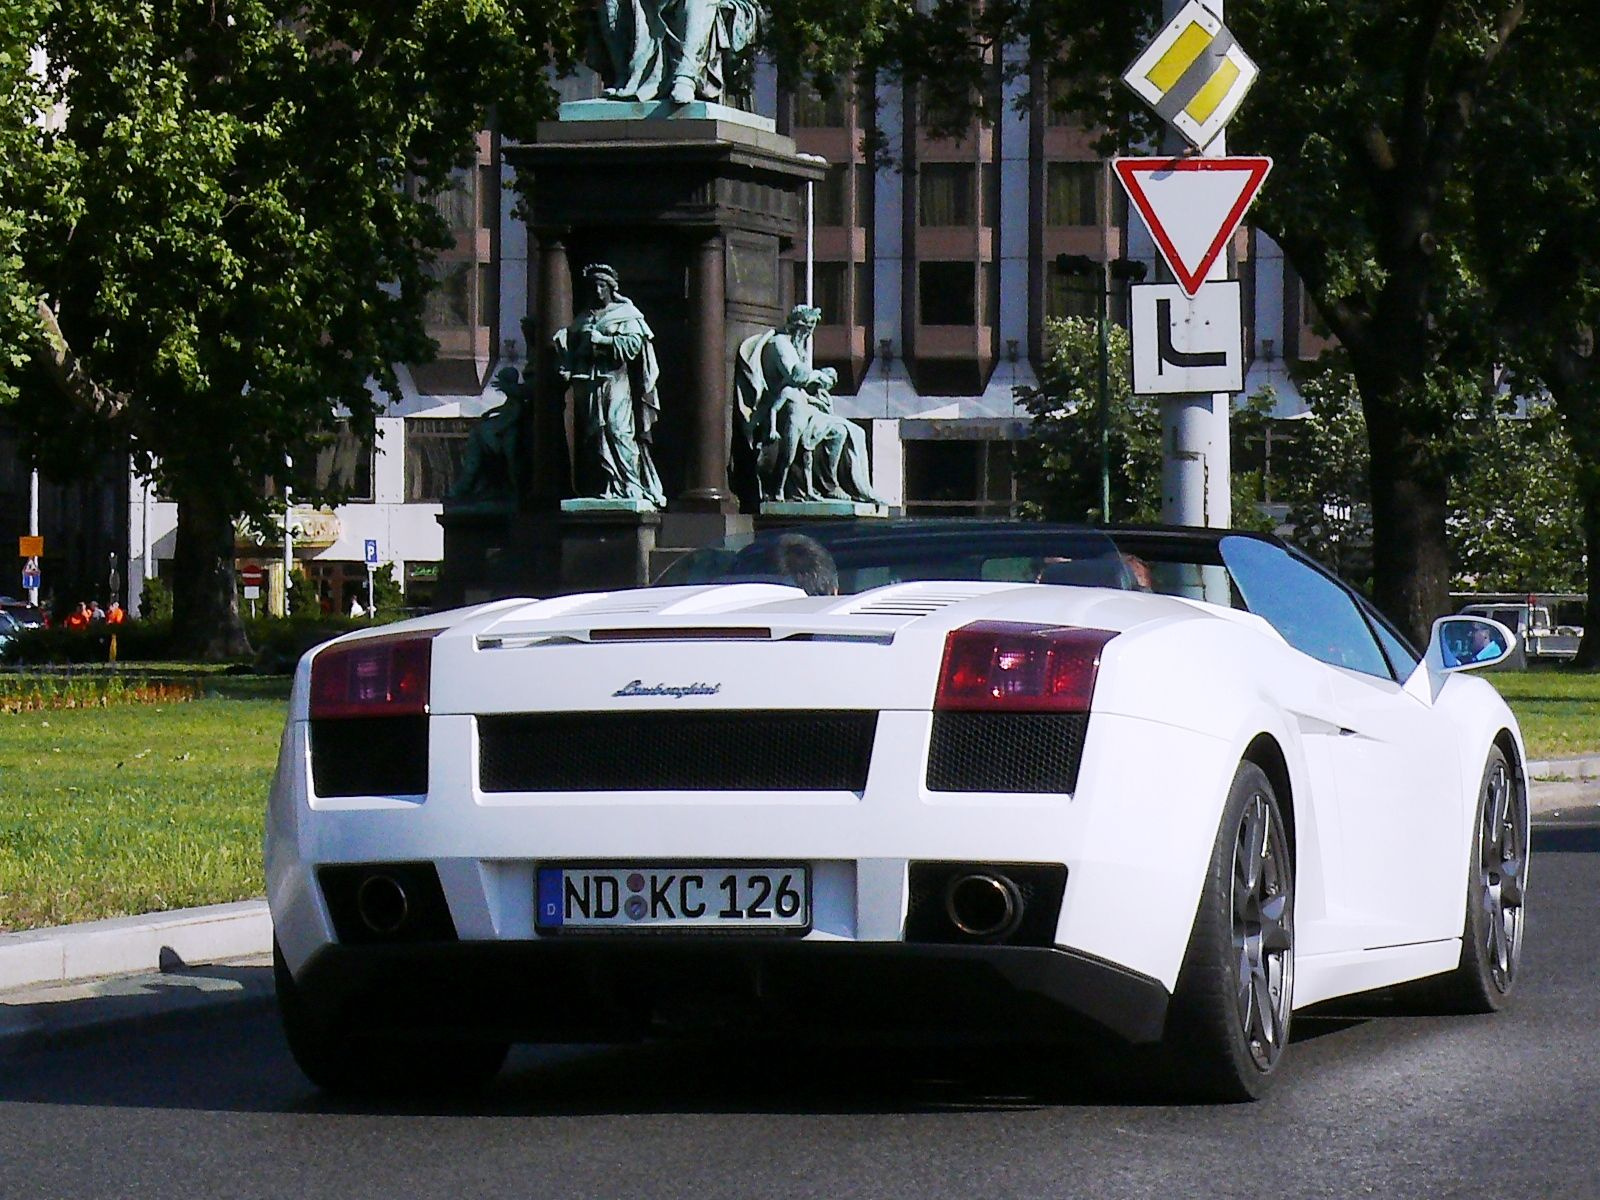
x=966, y=806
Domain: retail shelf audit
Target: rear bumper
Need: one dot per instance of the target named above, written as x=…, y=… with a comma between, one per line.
x=609, y=988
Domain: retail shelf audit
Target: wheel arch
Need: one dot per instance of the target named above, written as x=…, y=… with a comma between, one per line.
x=1265, y=752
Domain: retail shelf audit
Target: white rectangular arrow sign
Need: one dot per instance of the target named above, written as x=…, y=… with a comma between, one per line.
x=1187, y=344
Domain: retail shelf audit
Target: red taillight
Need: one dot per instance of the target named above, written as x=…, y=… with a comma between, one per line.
x=373, y=677
x=1007, y=666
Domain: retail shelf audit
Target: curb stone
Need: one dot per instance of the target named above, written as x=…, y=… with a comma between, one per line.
x=128, y=945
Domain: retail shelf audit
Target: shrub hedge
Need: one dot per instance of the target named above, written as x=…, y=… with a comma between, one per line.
x=278, y=643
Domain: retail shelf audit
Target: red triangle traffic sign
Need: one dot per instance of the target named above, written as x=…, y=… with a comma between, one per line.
x=1191, y=206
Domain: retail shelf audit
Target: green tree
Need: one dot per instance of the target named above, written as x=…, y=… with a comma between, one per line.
x=1369, y=110
x=1059, y=463
x=249, y=235
x=1322, y=474
x=1538, y=246
x=1515, y=520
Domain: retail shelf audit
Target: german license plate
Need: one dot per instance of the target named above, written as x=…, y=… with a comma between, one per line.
x=697, y=896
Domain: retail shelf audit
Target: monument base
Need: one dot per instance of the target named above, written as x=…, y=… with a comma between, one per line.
x=821, y=510
x=604, y=504
x=662, y=110
x=491, y=552
x=607, y=548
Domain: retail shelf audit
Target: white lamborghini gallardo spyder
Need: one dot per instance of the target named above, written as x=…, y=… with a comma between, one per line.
x=1170, y=785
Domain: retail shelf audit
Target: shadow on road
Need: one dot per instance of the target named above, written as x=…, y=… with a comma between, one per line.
x=233, y=1059
x=1555, y=837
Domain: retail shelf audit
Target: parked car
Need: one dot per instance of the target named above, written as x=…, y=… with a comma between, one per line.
x=1538, y=636
x=27, y=616
x=1169, y=785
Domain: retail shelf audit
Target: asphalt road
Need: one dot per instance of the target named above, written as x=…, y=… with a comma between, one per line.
x=209, y=1104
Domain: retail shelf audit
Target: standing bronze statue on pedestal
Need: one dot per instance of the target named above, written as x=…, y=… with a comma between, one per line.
x=607, y=356
x=683, y=49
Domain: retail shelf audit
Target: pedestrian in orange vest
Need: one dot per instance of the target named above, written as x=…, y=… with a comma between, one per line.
x=79, y=618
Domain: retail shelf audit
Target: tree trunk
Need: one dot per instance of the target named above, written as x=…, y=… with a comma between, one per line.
x=1589, y=494
x=1410, y=550
x=1571, y=379
x=205, y=604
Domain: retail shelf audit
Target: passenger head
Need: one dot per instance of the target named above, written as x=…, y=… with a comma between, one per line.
x=802, y=559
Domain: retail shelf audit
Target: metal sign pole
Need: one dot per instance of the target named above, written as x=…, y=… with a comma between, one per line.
x=1195, y=459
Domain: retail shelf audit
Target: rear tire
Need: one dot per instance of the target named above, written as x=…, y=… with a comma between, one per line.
x=341, y=1063
x=1491, y=938
x=1229, y=1019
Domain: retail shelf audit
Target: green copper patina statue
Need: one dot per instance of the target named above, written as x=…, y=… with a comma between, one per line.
x=679, y=49
x=607, y=355
x=492, y=469
x=804, y=450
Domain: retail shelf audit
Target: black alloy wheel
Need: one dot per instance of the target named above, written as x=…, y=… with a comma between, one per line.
x=1230, y=1016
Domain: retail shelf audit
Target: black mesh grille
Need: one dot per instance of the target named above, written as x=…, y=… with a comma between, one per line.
x=1005, y=752
x=722, y=751
x=370, y=756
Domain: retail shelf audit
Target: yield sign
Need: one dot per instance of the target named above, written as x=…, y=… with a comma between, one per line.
x=1191, y=206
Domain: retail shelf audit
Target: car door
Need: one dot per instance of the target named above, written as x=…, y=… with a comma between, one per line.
x=1392, y=874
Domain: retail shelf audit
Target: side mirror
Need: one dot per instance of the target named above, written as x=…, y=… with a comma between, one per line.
x=1467, y=643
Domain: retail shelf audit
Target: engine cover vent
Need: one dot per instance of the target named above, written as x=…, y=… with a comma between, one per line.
x=915, y=601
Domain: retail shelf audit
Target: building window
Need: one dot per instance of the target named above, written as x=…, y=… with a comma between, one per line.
x=863, y=295
x=1072, y=193
x=945, y=193
x=832, y=194
x=814, y=111
x=989, y=177
x=461, y=310
x=947, y=293
x=828, y=283
x=1056, y=115
x=1070, y=295
x=864, y=194
x=344, y=464
x=959, y=478
x=338, y=464
x=435, y=447
x=449, y=306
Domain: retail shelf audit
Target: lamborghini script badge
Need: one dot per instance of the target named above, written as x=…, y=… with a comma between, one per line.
x=677, y=691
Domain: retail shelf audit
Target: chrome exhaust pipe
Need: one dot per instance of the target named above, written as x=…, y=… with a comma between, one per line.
x=983, y=905
x=383, y=905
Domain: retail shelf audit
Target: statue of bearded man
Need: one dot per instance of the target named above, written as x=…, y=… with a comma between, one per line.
x=804, y=450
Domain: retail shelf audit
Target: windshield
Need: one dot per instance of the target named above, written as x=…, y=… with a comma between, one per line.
x=855, y=558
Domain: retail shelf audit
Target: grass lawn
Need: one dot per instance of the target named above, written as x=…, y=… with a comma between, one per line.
x=134, y=808
x=1558, y=709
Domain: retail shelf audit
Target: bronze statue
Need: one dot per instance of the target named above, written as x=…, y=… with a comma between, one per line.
x=804, y=450
x=607, y=355
x=679, y=49
x=492, y=469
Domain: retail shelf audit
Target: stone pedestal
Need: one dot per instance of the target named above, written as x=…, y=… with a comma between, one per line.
x=780, y=511
x=606, y=548
x=491, y=552
x=692, y=206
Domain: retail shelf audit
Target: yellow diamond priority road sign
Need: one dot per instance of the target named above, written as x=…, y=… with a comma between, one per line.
x=1194, y=74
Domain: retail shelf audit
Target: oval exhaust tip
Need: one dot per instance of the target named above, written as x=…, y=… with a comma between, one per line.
x=382, y=902
x=983, y=905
